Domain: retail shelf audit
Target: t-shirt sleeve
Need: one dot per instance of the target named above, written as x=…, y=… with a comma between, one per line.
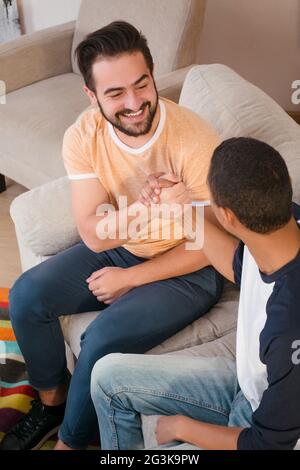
x=276, y=422
x=198, y=156
x=76, y=162
x=237, y=263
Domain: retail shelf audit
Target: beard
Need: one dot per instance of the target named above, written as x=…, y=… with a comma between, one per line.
x=134, y=129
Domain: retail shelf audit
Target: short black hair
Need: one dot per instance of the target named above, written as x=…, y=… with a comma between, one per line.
x=112, y=40
x=251, y=178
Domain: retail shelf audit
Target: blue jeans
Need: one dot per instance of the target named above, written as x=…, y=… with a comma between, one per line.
x=125, y=385
x=135, y=323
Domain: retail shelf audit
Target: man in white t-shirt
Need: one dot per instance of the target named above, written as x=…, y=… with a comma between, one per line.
x=217, y=403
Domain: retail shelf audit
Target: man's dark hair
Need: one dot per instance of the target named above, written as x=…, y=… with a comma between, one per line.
x=110, y=41
x=251, y=178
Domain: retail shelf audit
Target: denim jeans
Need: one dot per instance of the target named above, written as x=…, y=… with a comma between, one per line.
x=135, y=323
x=124, y=386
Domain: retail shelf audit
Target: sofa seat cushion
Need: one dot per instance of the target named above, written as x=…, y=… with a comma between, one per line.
x=39, y=114
x=219, y=321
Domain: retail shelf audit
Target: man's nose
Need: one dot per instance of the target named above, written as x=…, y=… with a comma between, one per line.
x=133, y=102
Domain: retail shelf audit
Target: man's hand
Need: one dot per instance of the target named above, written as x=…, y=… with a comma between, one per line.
x=152, y=188
x=110, y=283
x=167, y=429
x=164, y=188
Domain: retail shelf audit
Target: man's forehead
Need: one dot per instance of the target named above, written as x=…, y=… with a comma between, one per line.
x=120, y=71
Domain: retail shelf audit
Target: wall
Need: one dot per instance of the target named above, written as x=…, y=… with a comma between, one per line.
x=40, y=14
x=260, y=39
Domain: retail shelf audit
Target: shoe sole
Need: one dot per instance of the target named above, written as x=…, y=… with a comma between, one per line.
x=45, y=438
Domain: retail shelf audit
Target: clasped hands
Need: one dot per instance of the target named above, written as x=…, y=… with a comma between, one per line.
x=110, y=283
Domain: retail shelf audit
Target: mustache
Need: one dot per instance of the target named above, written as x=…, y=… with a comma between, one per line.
x=129, y=111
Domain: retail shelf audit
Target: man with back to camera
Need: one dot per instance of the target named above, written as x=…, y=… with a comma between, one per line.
x=146, y=288
x=215, y=402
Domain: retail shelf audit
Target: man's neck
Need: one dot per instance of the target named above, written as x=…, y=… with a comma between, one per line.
x=140, y=141
x=272, y=252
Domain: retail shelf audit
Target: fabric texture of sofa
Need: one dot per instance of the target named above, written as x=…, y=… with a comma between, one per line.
x=44, y=87
x=234, y=107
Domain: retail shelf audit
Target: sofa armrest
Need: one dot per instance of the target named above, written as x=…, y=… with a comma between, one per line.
x=170, y=85
x=37, y=56
x=43, y=218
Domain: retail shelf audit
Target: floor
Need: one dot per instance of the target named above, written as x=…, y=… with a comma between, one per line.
x=10, y=266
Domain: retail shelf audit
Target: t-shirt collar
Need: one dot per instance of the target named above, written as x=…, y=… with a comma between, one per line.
x=150, y=142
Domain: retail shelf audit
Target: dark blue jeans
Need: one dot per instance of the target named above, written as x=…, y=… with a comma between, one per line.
x=135, y=323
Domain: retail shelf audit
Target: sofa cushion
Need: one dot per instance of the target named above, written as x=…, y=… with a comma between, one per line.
x=41, y=234
x=39, y=114
x=178, y=24
x=235, y=107
x=219, y=321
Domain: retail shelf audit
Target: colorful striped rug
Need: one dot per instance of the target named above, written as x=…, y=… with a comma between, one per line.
x=15, y=391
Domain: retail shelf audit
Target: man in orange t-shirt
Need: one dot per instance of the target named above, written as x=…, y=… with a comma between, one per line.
x=146, y=285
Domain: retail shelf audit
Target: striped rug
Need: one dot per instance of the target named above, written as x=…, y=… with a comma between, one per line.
x=15, y=391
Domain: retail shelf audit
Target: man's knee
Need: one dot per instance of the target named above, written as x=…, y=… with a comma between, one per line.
x=24, y=297
x=108, y=372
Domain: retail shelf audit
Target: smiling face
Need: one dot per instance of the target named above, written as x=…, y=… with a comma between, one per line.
x=126, y=93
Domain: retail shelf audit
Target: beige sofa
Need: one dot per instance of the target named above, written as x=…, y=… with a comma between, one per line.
x=45, y=226
x=44, y=87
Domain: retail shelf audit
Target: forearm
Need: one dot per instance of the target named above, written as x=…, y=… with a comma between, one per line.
x=208, y=436
x=175, y=262
x=219, y=247
x=103, y=232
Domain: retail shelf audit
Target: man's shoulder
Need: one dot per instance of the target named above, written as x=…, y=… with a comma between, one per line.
x=178, y=111
x=283, y=320
x=187, y=123
x=87, y=123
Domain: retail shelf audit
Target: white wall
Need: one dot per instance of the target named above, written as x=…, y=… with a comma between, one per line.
x=40, y=14
x=260, y=39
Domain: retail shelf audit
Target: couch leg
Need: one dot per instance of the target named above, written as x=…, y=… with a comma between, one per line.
x=2, y=183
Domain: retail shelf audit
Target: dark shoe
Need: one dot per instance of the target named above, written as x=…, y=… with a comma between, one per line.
x=33, y=429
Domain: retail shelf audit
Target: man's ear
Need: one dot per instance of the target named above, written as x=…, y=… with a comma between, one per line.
x=90, y=94
x=227, y=216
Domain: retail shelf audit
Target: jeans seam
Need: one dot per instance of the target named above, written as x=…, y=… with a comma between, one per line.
x=112, y=422
x=172, y=396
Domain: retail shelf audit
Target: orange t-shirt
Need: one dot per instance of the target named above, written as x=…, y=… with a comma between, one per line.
x=183, y=144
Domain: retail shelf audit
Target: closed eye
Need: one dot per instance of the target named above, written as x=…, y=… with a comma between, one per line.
x=116, y=95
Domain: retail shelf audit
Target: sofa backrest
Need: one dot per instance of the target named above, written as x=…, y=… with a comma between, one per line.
x=172, y=27
x=236, y=107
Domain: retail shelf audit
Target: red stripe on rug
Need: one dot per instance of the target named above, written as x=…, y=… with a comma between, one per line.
x=22, y=390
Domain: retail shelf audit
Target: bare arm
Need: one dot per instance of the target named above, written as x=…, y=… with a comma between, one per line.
x=207, y=436
x=175, y=262
x=218, y=250
x=87, y=196
x=219, y=246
